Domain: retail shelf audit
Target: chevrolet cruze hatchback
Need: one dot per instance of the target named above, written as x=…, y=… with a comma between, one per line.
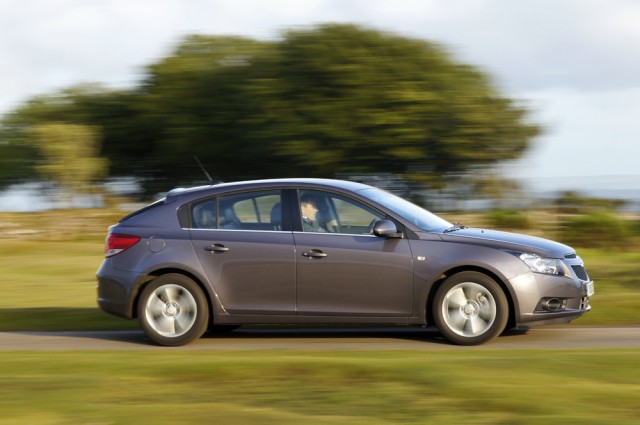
x=311, y=251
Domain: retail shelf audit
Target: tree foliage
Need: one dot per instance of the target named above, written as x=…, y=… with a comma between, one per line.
x=22, y=130
x=69, y=153
x=359, y=100
x=317, y=102
x=195, y=102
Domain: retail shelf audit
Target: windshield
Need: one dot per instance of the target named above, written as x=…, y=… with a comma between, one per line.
x=418, y=216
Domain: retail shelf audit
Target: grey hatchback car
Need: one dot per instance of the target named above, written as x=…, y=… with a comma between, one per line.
x=314, y=251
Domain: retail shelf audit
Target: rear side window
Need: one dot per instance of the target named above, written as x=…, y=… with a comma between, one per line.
x=258, y=210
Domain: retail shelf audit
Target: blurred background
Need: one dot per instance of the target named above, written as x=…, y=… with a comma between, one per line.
x=512, y=111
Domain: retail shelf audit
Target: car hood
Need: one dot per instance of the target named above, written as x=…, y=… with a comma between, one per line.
x=508, y=241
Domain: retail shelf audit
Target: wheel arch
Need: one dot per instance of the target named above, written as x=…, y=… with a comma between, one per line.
x=511, y=321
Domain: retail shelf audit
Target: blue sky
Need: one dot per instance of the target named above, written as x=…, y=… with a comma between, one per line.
x=575, y=63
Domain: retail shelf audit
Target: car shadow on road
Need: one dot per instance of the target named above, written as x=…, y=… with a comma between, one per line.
x=59, y=319
x=407, y=333
x=291, y=334
x=330, y=332
x=270, y=335
x=92, y=324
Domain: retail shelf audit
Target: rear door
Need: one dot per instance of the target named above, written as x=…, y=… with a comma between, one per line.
x=248, y=257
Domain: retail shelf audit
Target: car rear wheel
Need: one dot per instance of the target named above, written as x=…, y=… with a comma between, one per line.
x=173, y=310
x=470, y=308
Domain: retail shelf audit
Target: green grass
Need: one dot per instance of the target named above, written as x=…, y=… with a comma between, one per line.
x=452, y=387
x=51, y=285
x=617, y=278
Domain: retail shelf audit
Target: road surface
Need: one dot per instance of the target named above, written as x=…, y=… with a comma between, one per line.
x=329, y=338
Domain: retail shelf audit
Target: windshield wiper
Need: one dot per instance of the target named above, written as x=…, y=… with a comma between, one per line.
x=455, y=227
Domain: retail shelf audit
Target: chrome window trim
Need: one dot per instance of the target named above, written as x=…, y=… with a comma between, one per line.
x=335, y=234
x=236, y=230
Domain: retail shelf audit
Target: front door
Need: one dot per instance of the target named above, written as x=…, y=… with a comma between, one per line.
x=342, y=268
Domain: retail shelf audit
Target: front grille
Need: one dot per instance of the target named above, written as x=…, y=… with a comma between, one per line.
x=570, y=256
x=580, y=272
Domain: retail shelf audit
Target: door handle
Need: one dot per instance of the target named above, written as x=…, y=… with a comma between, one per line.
x=314, y=253
x=216, y=247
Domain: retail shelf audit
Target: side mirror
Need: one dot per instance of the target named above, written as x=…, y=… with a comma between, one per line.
x=386, y=229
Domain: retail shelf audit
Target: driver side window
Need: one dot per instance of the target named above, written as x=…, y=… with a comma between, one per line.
x=336, y=214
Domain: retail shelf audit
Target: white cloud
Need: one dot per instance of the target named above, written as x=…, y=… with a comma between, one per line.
x=592, y=44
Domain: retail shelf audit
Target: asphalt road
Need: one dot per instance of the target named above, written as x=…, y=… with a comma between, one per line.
x=313, y=338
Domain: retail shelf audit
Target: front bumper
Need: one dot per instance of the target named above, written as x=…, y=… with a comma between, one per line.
x=553, y=318
x=569, y=292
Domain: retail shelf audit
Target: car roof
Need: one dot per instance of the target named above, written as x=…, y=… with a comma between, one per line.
x=257, y=184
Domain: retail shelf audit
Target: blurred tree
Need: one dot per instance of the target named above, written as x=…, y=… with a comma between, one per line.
x=503, y=192
x=197, y=102
x=69, y=155
x=333, y=99
x=318, y=102
x=16, y=161
x=352, y=99
x=574, y=202
x=87, y=104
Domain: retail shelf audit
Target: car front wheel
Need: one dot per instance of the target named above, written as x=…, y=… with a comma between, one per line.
x=173, y=310
x=470, y=308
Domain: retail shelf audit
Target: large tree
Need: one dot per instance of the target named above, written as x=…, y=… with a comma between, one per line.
x=352, y=99
x=317, y=102
x=197, y=102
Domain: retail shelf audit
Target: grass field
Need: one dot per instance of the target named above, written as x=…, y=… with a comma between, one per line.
x=369, y=388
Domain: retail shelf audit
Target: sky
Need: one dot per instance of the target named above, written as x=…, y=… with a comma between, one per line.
x=574, y=63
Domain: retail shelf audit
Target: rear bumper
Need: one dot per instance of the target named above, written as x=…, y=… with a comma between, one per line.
x=115, y=293
x=112, y=298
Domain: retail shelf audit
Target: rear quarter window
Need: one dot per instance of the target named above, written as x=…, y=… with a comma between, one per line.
x=142, y=210
x=204, y=214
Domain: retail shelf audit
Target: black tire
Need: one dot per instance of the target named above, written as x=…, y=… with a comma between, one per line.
x=470, y=308
x=173, y=310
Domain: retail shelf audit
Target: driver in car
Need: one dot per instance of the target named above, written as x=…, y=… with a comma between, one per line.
x=309, y=211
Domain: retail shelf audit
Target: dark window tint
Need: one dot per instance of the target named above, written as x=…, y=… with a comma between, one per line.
x=260, y=210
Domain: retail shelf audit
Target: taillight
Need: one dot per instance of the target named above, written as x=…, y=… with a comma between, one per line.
x=116, y=243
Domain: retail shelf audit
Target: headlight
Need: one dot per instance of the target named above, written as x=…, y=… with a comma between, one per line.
x=539, y=264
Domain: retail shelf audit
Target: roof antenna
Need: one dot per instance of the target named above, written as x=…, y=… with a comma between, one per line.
x=203, y=170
